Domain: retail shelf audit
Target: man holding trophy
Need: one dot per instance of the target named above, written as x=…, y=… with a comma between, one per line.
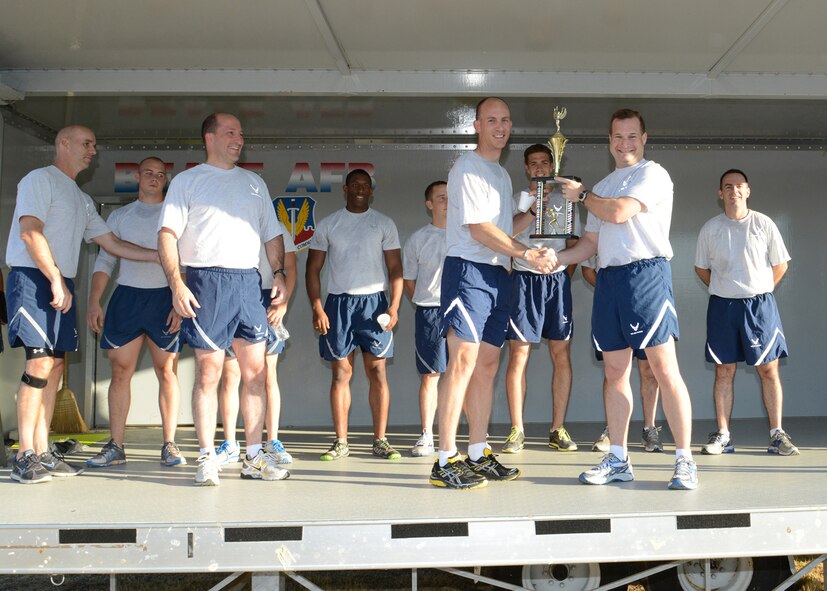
x=630, y=212
x=541, y=305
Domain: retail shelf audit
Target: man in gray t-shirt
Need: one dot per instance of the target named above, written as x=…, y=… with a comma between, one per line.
x=741, y=257
x=139, y=312
x=51, y=217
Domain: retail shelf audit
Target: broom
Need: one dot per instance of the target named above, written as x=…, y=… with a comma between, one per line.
x=67, y=418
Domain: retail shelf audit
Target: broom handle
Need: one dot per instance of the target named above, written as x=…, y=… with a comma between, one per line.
x=65, y=373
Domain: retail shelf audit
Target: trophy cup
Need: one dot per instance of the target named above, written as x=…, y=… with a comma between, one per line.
x=555, y=216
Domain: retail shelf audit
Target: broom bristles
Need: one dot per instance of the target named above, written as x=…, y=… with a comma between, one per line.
x=67, y=417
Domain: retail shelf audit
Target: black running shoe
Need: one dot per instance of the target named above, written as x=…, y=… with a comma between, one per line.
x=490, y=468
x=28, y=470
x=456, y=474
x=54, y=464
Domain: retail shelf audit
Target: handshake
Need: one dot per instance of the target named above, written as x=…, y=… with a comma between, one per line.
x=542, y=259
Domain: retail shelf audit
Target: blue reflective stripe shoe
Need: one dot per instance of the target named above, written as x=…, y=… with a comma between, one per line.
x=228, y=453
x=110, y=454
x=781, y=444
x=28, y=469
x=718, y=444
x=609, y=469
x=685, y=476
x=276, y=449
x=171, y=455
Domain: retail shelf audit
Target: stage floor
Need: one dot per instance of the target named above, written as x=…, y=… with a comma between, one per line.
x=363, y=512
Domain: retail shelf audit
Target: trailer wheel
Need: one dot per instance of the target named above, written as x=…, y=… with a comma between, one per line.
x=568, y=577
x=727, y=574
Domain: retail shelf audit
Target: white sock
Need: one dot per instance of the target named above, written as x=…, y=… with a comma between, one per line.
x=444, y=455
x=207, y=451
x=477, y=450
x=252, y=450
x=682, y=452
x=774, y=431
x=619, y=451
x=724, y=432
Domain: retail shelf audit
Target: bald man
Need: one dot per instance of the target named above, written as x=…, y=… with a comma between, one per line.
x=51, y=218
x=474, y=302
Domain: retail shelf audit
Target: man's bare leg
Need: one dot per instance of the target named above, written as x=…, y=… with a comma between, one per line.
x=676, y=403
x=462, y=357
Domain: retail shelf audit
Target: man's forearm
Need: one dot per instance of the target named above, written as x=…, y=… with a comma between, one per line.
x=616, y=211
x=396, y=288
x=168, y=252
x=38, y=249
x=491, y=236
x=585, y=248
x=274, y=249
x=126, y=250
x=521, y=221
x=99, y=282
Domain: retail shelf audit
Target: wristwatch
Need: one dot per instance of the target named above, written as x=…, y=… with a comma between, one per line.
x=583, y=195
x=277, y=271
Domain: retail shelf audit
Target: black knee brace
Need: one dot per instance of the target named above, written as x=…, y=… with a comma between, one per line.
x=34, y=382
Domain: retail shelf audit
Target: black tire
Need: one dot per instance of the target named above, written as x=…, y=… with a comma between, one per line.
x=767, y=573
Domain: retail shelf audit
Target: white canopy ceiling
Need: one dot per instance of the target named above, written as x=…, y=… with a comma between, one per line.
x=60, y=59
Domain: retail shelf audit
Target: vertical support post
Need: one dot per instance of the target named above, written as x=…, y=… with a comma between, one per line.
x=272, y=581
x=707, y=575
x=414, y=582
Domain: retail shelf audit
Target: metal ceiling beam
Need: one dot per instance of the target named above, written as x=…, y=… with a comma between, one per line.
x=329, y=36
x=407, y=83
x=9, y=94
x=763, y=19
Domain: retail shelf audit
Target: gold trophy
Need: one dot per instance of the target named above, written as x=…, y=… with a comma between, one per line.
x=555, y=215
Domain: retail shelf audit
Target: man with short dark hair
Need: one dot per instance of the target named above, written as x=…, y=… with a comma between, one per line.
x=741, y=257
x=541, y=308
x=360, y=244
x=422, y=261
x=215, y=217
x=51, y=218
x=139, y=311
x=630, y=212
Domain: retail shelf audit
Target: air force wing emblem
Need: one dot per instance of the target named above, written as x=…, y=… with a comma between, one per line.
x=296, y=213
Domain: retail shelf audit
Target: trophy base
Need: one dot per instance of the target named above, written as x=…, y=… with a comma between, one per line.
x=550, y=236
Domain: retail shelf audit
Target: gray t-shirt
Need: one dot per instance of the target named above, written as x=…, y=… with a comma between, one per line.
x=740, y=254
x=422, y=261
x=355, y=244
x=479, y=191
x=68, y=214
x=645, y=235
x=220, y=217
x=136, y=222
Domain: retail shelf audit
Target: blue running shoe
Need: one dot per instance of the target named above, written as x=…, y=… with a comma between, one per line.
x=228, y=453
x=609, y=469
x=276, y=449
x=685, y=476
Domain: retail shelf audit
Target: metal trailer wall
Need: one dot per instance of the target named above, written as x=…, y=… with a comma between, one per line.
x=785, y=185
